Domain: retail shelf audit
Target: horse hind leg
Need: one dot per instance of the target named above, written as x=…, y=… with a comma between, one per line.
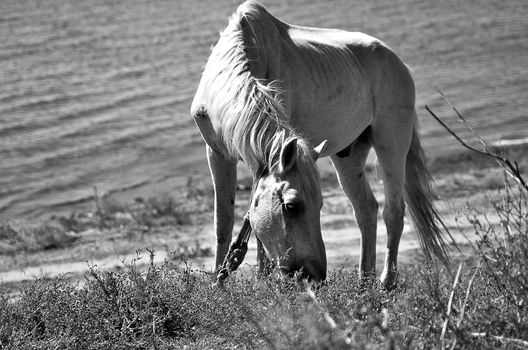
x=392, y=138
x=350, y=167
x=224, y=176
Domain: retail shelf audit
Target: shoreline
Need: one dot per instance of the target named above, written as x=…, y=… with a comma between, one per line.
x=464, y=178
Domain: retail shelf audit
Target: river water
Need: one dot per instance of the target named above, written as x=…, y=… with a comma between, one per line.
x=97, y=93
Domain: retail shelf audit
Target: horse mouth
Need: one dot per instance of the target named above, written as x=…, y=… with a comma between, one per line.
x=312, y=270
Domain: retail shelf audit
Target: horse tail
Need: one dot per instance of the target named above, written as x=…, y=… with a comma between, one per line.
x=419, y=196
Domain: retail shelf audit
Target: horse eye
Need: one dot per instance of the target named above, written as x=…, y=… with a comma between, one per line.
x=292, y=208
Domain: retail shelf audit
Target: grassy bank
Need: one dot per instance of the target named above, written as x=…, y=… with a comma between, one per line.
x=480, y=303
x=171, y=306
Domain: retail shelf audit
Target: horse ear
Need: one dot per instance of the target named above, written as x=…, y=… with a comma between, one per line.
x=288, y=155
x=318, y=150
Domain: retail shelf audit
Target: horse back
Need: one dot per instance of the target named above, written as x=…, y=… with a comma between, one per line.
x=364, y=61
x=338, y=80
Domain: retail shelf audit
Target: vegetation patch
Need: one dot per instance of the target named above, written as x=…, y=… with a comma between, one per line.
x=182, y=209
x=30, y=237
x=480, y=303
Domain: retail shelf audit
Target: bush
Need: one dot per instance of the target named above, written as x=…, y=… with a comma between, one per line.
x=482, y=306
x=22, y=236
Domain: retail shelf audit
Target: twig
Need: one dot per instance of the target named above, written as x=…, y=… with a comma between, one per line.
x=461, y=318
x=325, y=313
x=449, y=304
x=519, y=342
x=511, y=168
x=456, y=136
x=96, y=200
x=110, y=296
x=464, y=121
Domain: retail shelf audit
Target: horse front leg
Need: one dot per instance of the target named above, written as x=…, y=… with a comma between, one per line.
x=224, y=177
x=355, y=185
x=350, y=167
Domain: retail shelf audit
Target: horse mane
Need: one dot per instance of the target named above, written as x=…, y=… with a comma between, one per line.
x=246, y=108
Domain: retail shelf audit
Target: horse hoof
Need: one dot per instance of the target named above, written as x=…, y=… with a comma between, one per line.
x=389, y=280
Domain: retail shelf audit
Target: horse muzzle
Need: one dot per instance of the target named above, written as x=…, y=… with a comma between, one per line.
x=311, y=269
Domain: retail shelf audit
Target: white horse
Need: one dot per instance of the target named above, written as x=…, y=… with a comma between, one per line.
x=271, y=91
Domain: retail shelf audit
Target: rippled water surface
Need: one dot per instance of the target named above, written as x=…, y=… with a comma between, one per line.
x=97, y=93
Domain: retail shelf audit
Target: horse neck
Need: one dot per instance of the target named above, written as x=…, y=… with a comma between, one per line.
x=262, y=34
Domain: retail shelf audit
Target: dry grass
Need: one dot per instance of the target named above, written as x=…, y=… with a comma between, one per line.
x=175, y=305
x=142, y=217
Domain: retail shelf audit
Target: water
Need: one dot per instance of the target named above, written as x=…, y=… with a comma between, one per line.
x=97, y=93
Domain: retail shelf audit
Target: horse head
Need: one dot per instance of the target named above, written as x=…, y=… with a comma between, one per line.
x=285, y=211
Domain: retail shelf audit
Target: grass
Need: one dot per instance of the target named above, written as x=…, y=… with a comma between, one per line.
x=182, y=208
x=29, y=237
x=141, y=217
x=480, y=303
x=174, y=305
